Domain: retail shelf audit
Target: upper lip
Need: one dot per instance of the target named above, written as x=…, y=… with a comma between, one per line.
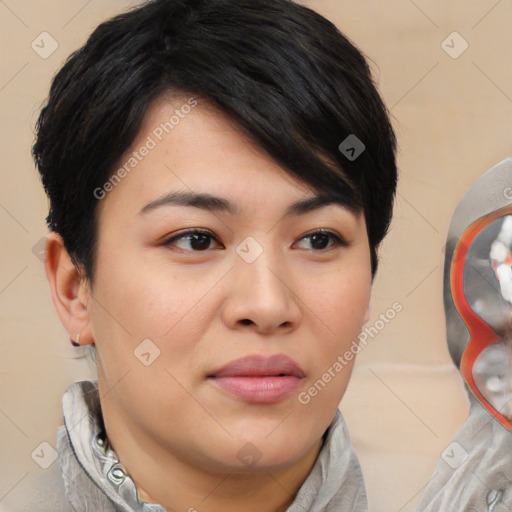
x=260, y=366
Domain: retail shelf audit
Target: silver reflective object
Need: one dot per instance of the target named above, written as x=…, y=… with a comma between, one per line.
x=478, y=307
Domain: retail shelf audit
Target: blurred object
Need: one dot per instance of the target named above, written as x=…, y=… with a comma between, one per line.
x=481, y=282
x=475, y=472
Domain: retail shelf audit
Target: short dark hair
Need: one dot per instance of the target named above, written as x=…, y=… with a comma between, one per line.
x=291, y=80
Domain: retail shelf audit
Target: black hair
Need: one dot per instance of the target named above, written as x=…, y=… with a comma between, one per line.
x=284, y=73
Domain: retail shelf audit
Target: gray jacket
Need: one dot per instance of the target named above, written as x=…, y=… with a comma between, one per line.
x=88, y=476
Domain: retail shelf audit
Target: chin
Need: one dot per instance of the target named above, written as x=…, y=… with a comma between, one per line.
x=272, y=452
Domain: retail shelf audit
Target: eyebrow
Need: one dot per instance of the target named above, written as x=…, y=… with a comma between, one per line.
x=213, y=203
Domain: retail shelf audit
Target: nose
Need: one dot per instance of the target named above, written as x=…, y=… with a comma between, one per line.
x=261, y=297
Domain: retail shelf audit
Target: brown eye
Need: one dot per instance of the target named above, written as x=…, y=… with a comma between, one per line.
x=321, y=240
x=193, y=241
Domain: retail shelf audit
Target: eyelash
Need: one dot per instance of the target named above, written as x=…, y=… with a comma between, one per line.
x=335, y=239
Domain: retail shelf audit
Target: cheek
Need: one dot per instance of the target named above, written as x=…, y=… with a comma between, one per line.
x=338, y=306
x=155, y=301
x=341, y=302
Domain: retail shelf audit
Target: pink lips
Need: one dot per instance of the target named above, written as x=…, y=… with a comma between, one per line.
x=259, y=379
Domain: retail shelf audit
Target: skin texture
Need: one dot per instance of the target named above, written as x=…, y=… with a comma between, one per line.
x=177, y=433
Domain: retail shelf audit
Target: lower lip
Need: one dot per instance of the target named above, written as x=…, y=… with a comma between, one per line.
x=258, y=390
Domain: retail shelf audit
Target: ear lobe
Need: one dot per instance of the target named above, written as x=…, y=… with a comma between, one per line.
x=69, y=290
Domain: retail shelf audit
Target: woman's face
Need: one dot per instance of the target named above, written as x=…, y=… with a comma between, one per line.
x=221, y=294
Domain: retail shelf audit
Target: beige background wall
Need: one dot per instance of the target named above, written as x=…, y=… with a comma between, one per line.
x=453, y=118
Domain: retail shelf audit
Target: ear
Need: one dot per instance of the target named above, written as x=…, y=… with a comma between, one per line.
x=70, y=290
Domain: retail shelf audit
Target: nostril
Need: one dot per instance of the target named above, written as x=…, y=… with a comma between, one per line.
x=246, y=321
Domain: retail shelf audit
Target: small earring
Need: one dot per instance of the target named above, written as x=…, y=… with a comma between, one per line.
x=77, y=342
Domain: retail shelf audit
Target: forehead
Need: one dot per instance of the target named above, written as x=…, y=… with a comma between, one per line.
x=187, y=145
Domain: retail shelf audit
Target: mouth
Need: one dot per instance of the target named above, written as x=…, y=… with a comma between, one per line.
x=258, y=379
